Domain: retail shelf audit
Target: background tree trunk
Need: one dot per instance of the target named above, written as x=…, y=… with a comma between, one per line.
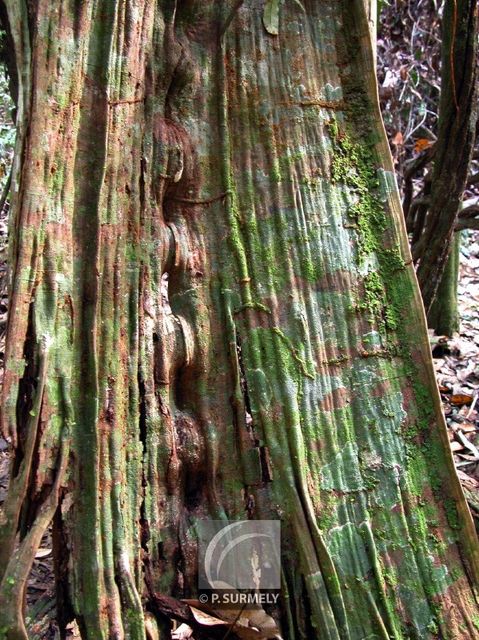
x=214, y=315
x=444, y=315
x=436, y=222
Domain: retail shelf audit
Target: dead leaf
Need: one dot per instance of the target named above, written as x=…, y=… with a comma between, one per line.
x=42, y=553
x=205, y=618
x=421, y=144
x=468, y=427
x=182, y=633
x=397, y=139
x=460, y=399
x=472, y=483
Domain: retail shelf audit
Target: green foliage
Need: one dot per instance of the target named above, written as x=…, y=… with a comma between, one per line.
x=271, y=15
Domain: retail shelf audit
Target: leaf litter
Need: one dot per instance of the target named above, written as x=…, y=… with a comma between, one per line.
x=456, y=361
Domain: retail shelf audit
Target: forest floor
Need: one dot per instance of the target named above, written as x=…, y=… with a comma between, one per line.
x=456, y=360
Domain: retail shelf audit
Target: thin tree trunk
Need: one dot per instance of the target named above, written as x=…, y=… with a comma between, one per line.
x=285, y=374
x=458, y=114
x=444, y=314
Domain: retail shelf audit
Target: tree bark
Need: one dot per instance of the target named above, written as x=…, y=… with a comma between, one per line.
x=458, y=114
x=444, y=314
x=214, y=315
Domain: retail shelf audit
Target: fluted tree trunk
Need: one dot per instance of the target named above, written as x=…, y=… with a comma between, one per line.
x=214, y=315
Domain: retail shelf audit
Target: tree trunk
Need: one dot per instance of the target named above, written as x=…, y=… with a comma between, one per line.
x=444, y=315
x=458, y=114
x=214, y=315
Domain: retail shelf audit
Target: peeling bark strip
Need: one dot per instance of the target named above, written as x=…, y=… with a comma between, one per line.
x=263, y=356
